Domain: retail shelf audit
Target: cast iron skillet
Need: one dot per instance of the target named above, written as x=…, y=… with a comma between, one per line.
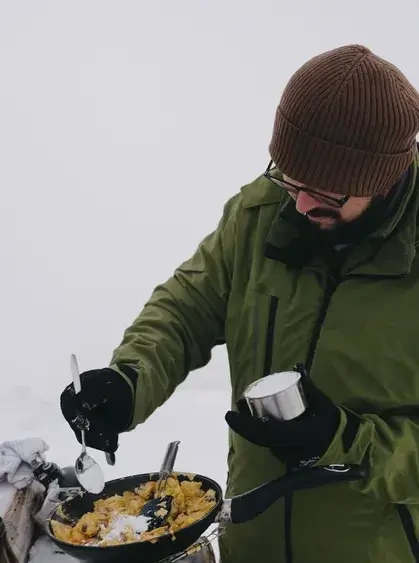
x=236, y=510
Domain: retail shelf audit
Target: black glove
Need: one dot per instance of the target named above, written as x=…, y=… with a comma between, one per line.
x=104, y=407
x=294, y=442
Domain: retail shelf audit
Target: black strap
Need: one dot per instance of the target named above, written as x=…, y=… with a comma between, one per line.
x=409, y=529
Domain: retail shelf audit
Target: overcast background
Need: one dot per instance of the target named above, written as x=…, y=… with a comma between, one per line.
x=124, y=127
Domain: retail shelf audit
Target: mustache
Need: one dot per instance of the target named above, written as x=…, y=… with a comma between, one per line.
x=323, y=213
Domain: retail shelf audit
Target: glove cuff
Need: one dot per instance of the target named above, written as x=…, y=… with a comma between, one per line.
x=124, y=398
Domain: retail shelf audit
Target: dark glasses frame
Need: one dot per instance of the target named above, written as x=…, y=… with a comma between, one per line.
x=290, y=188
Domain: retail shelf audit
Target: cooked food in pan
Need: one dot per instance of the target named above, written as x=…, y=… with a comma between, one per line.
x=116, y=520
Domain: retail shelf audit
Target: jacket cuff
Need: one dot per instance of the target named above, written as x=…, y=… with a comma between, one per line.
x=131, y=381
x=351, y=441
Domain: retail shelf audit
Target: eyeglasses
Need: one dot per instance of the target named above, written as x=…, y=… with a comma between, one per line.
x=323, y=198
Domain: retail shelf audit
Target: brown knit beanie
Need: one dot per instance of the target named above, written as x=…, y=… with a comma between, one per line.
x=347, y=123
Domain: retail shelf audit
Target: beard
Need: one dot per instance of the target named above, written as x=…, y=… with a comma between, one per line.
x=379, y=209
x=349, y=232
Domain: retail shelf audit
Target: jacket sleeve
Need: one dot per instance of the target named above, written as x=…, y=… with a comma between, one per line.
x=182, y=321
x=389, y=448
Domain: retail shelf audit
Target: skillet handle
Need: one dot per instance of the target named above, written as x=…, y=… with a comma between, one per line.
x=249, y=505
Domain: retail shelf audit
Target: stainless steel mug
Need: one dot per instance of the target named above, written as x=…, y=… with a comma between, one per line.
x=279, y=396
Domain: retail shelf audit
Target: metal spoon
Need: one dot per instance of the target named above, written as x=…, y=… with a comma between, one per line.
x=157, y=510
x=88, y=471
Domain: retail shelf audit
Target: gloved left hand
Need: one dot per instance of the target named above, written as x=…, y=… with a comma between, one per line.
x=299, y=441
x=104, y=407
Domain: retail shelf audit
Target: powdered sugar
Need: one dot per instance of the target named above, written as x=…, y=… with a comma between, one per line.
x=272, y=384
x=123, y=523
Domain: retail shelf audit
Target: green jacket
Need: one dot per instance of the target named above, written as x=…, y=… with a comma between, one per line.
x=359, y=330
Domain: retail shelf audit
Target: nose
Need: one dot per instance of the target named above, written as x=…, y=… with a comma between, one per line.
x=304, y=203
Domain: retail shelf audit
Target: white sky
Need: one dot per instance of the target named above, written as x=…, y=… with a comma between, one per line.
x=124, y=127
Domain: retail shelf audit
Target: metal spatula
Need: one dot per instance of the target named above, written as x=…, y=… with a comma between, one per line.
x=157, y=510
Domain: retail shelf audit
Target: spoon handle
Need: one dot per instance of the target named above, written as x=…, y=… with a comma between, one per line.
x=76, y=374
x=77, y=388
x=83, y=441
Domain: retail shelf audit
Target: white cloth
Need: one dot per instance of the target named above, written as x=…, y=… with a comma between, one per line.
x=16, y=459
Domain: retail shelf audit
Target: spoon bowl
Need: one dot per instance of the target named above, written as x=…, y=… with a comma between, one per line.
x=89, y=474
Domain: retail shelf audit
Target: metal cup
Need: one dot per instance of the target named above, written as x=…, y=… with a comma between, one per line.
x=285, y=399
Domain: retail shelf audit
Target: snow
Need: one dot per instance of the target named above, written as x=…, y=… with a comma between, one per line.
x=195, y=417
x=45, y=551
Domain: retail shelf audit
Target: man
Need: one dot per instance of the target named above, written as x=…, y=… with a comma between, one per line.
x=314, y=262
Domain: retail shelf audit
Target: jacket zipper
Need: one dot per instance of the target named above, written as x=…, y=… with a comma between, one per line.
x=409, y=529
x=273, y=306
x=267, y=368
x=330, y=289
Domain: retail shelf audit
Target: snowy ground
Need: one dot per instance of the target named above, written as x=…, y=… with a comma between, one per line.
x=195, y=417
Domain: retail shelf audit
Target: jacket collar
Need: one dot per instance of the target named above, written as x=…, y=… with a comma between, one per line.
x=262, y=192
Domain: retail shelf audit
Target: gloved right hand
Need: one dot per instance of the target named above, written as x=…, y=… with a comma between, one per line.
x=104, y=407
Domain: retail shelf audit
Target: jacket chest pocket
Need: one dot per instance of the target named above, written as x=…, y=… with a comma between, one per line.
x=269, y=322
x=250, y=327
x=255, y=337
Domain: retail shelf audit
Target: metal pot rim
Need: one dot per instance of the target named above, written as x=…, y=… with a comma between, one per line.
x=254, y=383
